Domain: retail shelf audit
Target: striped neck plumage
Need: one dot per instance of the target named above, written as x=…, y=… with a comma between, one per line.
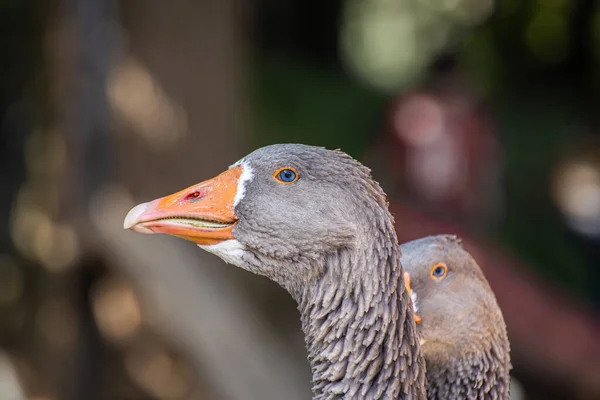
x=359, y=327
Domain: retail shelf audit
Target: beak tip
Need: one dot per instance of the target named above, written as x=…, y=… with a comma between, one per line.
x=133, y=216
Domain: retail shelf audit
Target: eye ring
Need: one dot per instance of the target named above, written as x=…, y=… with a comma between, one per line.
x=439, y=271
x=286, y=175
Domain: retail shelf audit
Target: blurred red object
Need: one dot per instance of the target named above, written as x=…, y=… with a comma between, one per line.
x=441, y=154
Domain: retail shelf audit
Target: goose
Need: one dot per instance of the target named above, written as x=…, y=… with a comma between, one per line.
x=314, y=221
x=462, y=330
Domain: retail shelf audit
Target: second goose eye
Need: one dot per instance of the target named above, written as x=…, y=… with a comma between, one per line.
x=286, y=175
x=439, y=271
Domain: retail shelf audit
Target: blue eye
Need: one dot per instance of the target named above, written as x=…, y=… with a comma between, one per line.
x=439, y=271
x=286, y=175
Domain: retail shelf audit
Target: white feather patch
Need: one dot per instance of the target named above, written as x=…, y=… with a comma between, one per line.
x=246, y=177
x=413, y=296
x=230, y=251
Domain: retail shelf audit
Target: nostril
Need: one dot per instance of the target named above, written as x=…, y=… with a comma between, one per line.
x=194, y=196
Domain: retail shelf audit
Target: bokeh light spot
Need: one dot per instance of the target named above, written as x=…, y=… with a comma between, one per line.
x=116, y=309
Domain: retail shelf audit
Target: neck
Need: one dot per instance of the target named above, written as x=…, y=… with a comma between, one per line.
x=359, y=328
x=482, y=375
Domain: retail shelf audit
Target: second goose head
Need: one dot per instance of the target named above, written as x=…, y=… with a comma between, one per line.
x=463, y=334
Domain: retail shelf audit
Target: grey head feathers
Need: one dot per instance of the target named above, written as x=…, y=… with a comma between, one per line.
x=288, y=230
x=464, y=339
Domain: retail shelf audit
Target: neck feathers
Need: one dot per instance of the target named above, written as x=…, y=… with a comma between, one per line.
x=476, y=376
x=359, y=327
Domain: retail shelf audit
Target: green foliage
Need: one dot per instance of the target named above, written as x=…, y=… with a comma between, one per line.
x=294, y=101
x=534, y=124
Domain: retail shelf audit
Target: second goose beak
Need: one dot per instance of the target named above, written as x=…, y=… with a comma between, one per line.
x=407, y=285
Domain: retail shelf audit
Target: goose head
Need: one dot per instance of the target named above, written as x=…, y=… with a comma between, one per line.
x=278, y=212
x=455, y=307
x=462, y=331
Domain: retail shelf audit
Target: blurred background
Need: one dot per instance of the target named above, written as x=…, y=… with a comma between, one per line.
x=479, y=118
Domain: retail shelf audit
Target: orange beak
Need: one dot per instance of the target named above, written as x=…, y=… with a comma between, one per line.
x=407, y=285
x=203, y=213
